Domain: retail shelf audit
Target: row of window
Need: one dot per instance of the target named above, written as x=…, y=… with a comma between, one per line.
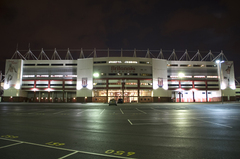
x=116, y=74
x=116, y=62
x=193, y=77
x=75, y=64
x=53, y=64
x=120, y=84
x=102, y=74
x=194, y=85
x=67, y=76
x=145, y=84
x=189, y=65
x=50, y=85
x=102, y=62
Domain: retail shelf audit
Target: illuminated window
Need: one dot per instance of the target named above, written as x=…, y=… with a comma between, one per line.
x=130, y=62
x=28, y=75
x=70, y=75
x=42, y=75
x=199, y=76
x=146, y=84
x=114, y=61
x=99, y=82
x=145, y=92
x=130, y=83
x=212, y=76
x=181, y=77
x=187, y=76
x=56, y=75
x=100, y=93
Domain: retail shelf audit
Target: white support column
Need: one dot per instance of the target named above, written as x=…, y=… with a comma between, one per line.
x=84, y=78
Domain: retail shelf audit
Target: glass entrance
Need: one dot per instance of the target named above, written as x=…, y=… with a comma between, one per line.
x=130, y=96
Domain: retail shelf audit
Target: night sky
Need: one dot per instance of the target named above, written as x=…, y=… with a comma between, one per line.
x=181, y=24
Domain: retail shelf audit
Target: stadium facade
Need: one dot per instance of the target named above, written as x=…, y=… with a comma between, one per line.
x=151, y=78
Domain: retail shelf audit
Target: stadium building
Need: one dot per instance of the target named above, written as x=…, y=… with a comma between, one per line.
x=147, y=78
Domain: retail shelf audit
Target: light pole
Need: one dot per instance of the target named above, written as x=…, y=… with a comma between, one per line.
x=220, y=76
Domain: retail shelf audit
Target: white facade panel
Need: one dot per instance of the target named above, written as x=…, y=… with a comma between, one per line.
x=159, y=71
x=84, y=77
x=227, y=75
x=13, y=76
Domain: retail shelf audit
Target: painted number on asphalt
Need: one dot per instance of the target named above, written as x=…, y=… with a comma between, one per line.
x=119, y=153
x=55, y=143
x=9, y=136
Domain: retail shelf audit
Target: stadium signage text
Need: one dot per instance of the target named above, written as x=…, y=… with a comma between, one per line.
x=123, y=69
x=119, y=68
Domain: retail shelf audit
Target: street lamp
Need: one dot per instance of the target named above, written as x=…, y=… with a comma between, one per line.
x=220, y=76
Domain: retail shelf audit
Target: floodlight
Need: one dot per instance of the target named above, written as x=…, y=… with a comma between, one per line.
x=96, y=75
x=181, y=75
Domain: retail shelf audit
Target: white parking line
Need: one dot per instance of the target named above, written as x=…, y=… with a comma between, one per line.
x=130, y=122
x=59, y=148
x=60, y=111
x=10, y=145
x=121, y=111
x=141, y=111
x=102, y=111
x=68, y=155
x=213, y=123
x=158, y=110
x=81, y=112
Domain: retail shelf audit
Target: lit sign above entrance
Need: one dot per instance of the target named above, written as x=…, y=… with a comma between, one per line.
x=122, y=69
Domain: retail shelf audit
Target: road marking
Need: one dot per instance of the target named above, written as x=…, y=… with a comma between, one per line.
x=68, y=155
x=60, y=112
x=55, y=143
x=130, y=122
x=121, y=111
x=213, y=123
x=81, y=112
x=102, y=111
x=9, y=136
x=59, y=148
x=10, y=145
x=158, y=110
x=141, y=111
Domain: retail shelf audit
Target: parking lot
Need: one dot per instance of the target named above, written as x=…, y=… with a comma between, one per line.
x=95, y=130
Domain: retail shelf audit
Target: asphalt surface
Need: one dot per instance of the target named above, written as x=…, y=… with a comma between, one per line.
x=99, y=131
